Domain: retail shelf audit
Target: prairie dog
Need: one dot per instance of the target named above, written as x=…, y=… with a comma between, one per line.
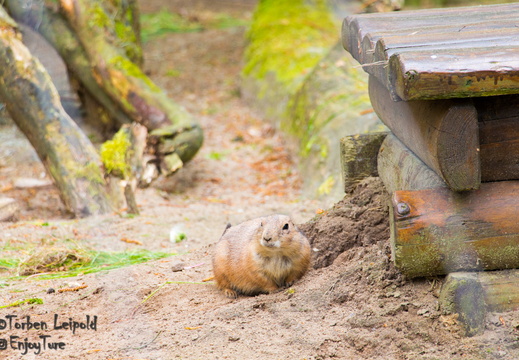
x=260, y=256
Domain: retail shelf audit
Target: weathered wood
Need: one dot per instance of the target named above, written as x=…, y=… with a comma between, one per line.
x=126, y=84
x=437, y=231
x=433, y=74
x=359, y=157
x=473, y=294
x=463, y=294
x=434, y=130
x=400, y=169
x=499, y=137
x=356, y=27
x=444, y=53
x=57, y=32
x=33, y=103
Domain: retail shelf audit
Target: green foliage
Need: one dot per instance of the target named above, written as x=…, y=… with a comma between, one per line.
x=288, y=38
x=180, y=237
x=61, y=262
x=22, y=302
x=114, y=155
x=164, y=22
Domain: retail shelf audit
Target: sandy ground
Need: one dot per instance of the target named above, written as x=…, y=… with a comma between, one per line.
x=352, y=305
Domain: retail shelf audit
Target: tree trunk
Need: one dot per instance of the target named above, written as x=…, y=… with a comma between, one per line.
x=125, y=83
x=34, y=104
x=57, y=32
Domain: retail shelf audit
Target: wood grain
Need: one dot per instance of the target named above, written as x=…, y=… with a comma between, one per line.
x=434, y=130
x=400, y=169
x=440, y=53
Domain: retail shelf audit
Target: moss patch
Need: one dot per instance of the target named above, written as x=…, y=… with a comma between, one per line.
x=288, y=38
x=114, y=154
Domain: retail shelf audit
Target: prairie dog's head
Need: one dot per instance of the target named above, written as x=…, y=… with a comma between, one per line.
x=276, y=230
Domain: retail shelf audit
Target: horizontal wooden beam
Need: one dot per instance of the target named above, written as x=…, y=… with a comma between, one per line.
x=400, y=169
x=443, y=134
x=437, y=231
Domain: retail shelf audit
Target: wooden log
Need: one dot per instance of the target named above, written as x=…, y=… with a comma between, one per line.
x=463, y=294
x=498, y=137
x=57, y=32
x=437, y=231
x=359, y=157
x=434, y=130
x=125, y=83
x=400, y=169
x=473, y=294
x=33, y=103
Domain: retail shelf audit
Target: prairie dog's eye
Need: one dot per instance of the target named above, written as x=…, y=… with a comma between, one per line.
x=285, y=227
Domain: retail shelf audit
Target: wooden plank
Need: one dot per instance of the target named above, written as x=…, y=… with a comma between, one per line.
x=433, y=130
x=455, y=73
x=359, y=157
x=400, y=169
x=356, y=27
x=437, y=231
x=375, y=44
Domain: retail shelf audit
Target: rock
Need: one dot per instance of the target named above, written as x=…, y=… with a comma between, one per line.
x=178, y=266
x=8, y=208
x=25, y=183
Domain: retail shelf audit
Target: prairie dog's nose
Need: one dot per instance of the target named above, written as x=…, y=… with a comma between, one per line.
x=267, y=239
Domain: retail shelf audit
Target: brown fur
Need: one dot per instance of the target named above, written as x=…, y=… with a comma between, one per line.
x=260, y=256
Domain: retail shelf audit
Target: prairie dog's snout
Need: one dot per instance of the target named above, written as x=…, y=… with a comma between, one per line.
x=272, y=236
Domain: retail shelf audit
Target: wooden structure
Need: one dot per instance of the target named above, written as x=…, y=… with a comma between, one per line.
x=446, y=83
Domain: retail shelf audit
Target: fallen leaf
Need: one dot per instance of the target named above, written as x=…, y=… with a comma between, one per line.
x=130, y=241
x=192, y=328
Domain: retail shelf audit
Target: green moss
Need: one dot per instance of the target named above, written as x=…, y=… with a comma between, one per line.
x=288, y=38
x=98, y=17
x=114, y=155
x=91, y=172
x=129, y=68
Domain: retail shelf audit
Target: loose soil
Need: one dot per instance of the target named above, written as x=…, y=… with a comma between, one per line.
x=353, y=304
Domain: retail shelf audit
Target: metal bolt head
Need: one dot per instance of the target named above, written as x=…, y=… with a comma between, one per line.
x=402, y=208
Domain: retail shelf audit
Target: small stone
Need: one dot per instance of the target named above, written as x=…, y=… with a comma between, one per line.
x=73, y=284
x=233, y=338
x=51, y=291
x=422, y=312
x=178, y=267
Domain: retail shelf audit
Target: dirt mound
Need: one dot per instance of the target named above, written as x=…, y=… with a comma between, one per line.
x=360, y=219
